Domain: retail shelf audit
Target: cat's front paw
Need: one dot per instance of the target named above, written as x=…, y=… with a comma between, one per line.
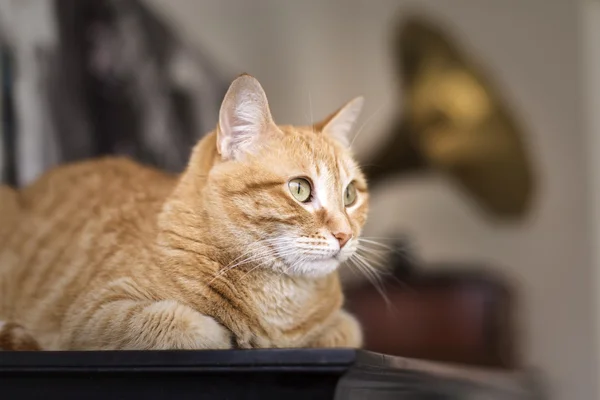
x=344, y=332
x=170, y=325
x=209, y=334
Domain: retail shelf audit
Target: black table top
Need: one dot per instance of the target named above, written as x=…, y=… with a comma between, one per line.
x=342, y=373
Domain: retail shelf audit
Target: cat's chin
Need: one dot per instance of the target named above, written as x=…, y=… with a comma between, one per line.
x=314, y=268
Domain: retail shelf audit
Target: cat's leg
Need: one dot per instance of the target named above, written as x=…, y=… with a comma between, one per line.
x=344, y=331
x=143, y=325
x=15, y=337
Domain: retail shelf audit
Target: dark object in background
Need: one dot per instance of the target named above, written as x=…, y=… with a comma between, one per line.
x=7, y=129
x=453, y=120
x=104, y=77
x=461, y=316
x=249, y=374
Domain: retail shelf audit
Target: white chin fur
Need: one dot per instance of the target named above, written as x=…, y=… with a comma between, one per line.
x=313, y=268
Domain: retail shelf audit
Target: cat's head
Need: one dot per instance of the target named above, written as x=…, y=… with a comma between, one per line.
x=287, y=197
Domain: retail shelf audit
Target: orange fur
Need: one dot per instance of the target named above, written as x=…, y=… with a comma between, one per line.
x=109, y=254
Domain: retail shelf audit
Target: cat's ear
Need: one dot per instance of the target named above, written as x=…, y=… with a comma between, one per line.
x=340, y=123
x=243, y=117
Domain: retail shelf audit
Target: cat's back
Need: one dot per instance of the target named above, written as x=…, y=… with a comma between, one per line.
x=107, y=181
x=91, y=192
x=71, y=217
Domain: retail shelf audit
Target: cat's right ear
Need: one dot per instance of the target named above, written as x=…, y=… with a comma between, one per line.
x=244, y=115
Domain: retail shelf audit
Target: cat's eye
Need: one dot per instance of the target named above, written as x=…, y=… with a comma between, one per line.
x=300, y=189
x=349, y=195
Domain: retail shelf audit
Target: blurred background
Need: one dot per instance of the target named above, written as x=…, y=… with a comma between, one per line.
x=480, y=137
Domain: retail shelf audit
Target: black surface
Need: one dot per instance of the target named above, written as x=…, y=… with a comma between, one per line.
x=241, y=374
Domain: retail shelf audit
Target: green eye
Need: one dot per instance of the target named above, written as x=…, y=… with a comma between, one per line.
x=300, y=189
x=349, y=195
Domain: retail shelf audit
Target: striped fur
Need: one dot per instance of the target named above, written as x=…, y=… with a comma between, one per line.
x=109, y=254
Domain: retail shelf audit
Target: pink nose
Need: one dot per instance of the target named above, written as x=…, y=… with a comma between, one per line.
x=342, y=237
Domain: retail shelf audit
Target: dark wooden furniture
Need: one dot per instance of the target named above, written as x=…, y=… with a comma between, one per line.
x=462, y=316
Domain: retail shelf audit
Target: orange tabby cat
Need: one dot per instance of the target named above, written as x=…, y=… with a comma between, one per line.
x=240, y=251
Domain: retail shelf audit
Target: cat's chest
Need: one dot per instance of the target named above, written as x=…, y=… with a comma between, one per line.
x=286, y=315
x=280, y=308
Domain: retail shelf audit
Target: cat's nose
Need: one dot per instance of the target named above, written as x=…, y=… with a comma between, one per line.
x=342, y=237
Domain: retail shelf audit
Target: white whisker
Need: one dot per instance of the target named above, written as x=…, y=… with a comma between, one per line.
x=312, y=124
x=381, y=262
x=373, y=242
x=374, y=271
x=380, y=259
x=371, y=277
x=254, y=254
x=281, y=254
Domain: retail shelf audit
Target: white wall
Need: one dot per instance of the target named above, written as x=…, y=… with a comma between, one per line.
x=590, y=12
x=334, y=50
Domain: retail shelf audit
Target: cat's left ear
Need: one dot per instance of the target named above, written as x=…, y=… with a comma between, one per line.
x=340, y=123
x=243, y=118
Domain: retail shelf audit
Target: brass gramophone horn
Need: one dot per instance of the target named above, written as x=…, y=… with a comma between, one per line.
x=454, y=121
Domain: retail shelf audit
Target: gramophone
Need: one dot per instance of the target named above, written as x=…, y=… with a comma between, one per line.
x=454, y=122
